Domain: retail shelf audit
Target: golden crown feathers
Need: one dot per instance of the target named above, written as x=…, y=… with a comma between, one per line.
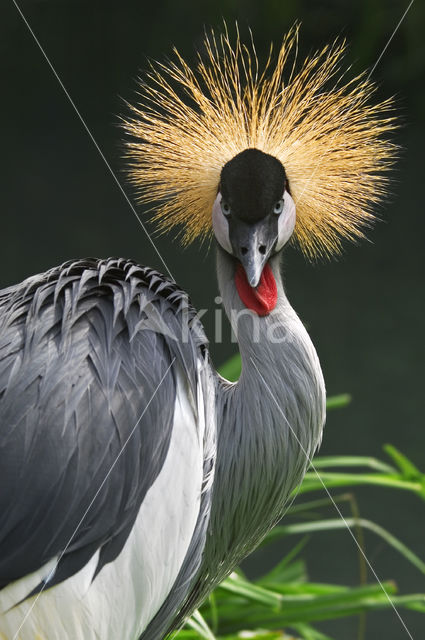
x=332, y=142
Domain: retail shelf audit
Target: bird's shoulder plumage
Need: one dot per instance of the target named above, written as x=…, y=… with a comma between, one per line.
x=93, y=369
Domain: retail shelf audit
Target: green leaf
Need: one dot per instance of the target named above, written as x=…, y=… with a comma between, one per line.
x=406, y=467
x=324, y=462
x=306, y=608
x=309, y=633
x=305, y=588
x=198, y=624
x=213, y=611
x=258, y=634
x=283, y=598
x=240, y=586
x=338, y=402
x=337, y=523
x=313, y=505
x=231, y=370
x=414, y=602
x=287, y=569
x=312, y=482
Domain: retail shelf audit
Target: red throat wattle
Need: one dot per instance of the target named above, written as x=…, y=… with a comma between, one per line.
x=261, y=299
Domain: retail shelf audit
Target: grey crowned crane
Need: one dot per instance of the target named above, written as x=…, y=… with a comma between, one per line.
x=133, y=478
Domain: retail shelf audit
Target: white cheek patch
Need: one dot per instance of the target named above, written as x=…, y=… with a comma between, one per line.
x=286, y=222
x=221, y=225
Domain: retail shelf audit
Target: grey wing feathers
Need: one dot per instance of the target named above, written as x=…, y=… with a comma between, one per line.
x=83, y=349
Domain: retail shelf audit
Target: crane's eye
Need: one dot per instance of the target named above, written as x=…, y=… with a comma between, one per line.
x=278, y=207
x=225, y=208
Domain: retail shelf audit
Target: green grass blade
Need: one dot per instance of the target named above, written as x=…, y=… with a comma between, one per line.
x=414, y=602
x=313, y=505
x=307, y=608
x=338, y=402
x=198, y=624
x=258, y=634
x=406, y=467
x=309, y=633
x=237, y=585
x=336, y=523
x=331, y=480
x=287, y=570
x=231, y=370
x=324, y=462
x=305, y=588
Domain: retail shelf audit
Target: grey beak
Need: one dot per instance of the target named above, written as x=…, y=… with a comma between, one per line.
x=252, y=259
x=253, y=244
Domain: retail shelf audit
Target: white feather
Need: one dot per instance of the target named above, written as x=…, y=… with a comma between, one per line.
x=221, y=225
x=128, y=592
x=286, y=223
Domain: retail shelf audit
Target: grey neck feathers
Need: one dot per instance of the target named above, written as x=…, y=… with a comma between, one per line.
x=270, y=422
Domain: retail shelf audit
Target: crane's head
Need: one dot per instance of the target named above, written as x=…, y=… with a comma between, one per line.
x=253, y=214
x=234, y=149
x=253, y=218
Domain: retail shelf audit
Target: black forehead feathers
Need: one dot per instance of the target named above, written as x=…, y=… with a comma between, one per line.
x=251, y=183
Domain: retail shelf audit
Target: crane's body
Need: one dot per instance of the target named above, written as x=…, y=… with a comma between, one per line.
x=133, y=478
x=93, y=366
x=137, y=537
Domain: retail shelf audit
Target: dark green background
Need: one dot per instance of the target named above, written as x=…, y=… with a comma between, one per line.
x=365, y=312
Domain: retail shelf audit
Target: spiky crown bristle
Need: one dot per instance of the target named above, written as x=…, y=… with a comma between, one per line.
x=331, y=141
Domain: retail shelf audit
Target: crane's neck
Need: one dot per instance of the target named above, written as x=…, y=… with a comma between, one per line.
x=277, y=353
x=270, y=422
